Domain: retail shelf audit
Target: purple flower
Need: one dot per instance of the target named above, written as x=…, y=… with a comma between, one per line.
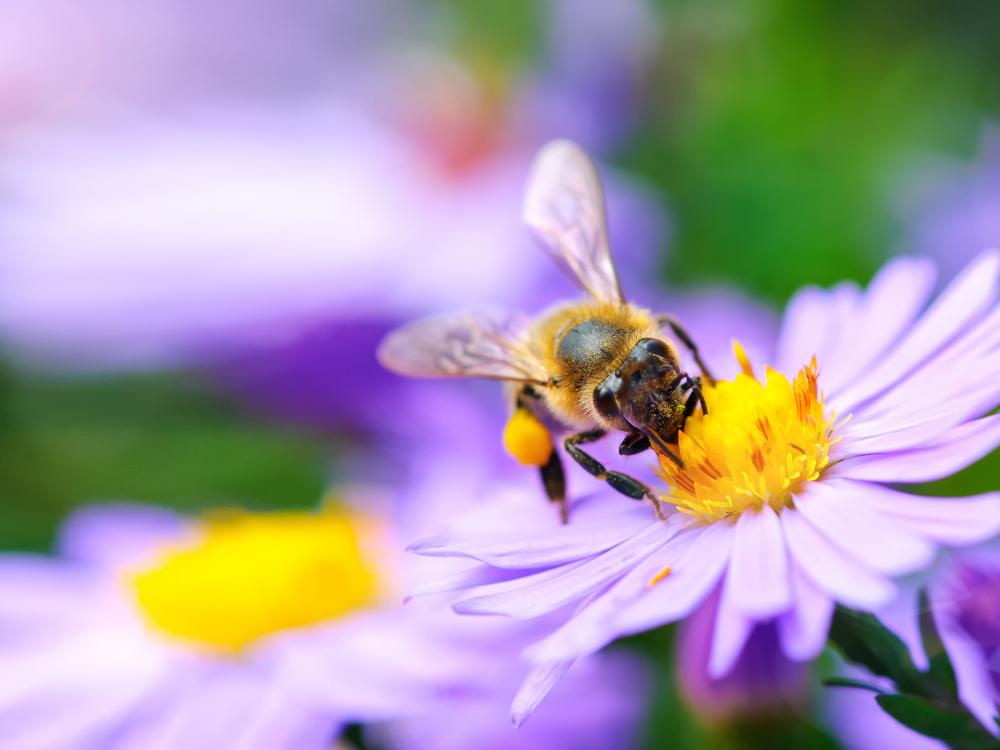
x=964, y=598
x=595, y=707
x=764, y=682
x=781, y=505
x=250, y=630
x=61, y=62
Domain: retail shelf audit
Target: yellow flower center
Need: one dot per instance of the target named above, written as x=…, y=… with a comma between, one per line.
x=758, y=444
x=244, y=576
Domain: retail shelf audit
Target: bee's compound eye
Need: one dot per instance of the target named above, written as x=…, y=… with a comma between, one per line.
x=604, y=400
x=654, y=346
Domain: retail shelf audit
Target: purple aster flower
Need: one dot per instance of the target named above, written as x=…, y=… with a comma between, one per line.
x=952, y=214
x=595, y=707
x=764, y=682
x=249, y=630
x=964, y=597
x=782, y=506
x=59, y=61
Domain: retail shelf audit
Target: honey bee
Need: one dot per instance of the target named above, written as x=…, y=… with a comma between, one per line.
x=591, y=366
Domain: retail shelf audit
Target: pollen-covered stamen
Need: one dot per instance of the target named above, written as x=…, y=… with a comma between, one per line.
x=243, y=576
x=758, y=444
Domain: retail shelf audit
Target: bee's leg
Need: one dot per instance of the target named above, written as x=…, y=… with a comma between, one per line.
x=679, y=332
x=694, y=398
x=623, y=483
x=635, y=442
x=554, y=481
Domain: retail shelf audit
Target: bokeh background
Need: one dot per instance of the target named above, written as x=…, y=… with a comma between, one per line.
x=209, y=214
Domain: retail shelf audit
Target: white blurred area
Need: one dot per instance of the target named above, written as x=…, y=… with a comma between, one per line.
x=176, y=176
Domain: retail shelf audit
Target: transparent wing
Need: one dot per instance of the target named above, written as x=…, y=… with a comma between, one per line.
x=472, y=344
x=564, y=205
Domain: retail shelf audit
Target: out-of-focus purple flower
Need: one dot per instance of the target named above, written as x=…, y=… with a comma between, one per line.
x=247, y=232
x=764, y=682
x=248, y=630
x=60, y=61
x=953, y=215
x=591, y=87
x=597, y=706
x=781, y=503
x=964, y=598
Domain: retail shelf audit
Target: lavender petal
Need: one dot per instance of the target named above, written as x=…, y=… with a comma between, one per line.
x=831, y=569
x=834, y=510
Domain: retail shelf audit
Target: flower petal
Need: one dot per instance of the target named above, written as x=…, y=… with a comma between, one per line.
x=958, y=307
x=831, y=569
x=477, y=575
x=923, y=426
x=891, y=302
x=948, y=520
x=953, y=450
x=732, y=629
x=552, y=593
x=692, y=577
x=834, y=509
x=535, y=687
x=119, y=536
x=520, y=591
x=593, y=626
x=36, y=590
x=757, y=580
x=526, y=549
x=970, y=361
x=804, y=629
x=806, y=322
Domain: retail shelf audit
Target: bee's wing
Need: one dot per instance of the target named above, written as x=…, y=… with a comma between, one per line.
x=564, y=205
x=473, y=344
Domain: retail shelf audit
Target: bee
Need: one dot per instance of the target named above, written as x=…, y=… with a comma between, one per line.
x=590, y=366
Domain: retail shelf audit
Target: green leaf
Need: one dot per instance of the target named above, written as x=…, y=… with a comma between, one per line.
x=149, y=438
x=955, y=726
x=863, y=640
x=847, y=682
x=941, y=670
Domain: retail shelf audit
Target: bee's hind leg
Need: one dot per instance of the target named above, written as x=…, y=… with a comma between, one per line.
x=679, y=332
x=554, y=481
x=623, y=483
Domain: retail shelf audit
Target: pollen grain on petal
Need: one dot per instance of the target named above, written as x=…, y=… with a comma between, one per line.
x=659, y=576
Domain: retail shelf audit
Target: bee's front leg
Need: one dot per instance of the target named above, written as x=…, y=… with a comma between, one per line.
x=635, y=442
x=623, y=483
x=679, y=332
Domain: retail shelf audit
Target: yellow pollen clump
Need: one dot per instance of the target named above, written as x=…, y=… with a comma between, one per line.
x=527, y=439
x=758, y=444
x=244, y=576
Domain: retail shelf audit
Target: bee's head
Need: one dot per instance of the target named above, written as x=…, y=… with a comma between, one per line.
x=645, y=391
